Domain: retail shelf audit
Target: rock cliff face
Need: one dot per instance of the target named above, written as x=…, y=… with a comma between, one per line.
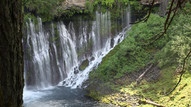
x=68, y=4
x=75, y=3
x=149, y=2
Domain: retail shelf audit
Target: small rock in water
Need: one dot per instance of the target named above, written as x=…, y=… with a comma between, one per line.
x=92, y=58
x=112, y=43
x=118, y=41
x=63, y=82
x=76, y=70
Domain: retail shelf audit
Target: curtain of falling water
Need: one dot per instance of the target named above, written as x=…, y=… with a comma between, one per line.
x=54, y=53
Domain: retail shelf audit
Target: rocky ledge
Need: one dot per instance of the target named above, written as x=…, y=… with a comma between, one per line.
x=149, y=2
x=68, y=4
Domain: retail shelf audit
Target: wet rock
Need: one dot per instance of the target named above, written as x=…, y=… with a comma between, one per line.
x=76, y=71
x=84, y=64
x=118, y=40
x=63, y=82
x=92, y=58
x=112, y=43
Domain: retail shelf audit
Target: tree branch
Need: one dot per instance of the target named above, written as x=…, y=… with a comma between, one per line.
x=182, y=72
x=150, y=102
x=167, y=23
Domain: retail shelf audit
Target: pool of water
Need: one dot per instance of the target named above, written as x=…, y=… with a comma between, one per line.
x=60, y=96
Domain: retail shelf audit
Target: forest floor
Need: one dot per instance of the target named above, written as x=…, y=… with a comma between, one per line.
x=152, y=90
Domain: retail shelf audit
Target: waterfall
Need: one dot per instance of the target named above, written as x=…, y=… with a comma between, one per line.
x=37, y=45
x=65, y=53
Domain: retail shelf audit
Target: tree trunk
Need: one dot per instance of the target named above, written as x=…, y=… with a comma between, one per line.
x=163, y=7
x=11, y=54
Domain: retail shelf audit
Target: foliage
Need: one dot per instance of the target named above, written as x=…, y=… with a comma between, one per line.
x=187, y=8
x=43, y=8
x=110, y=3
x=131, y=55
x=179, y=45
x=30, y=16
x=136, y=5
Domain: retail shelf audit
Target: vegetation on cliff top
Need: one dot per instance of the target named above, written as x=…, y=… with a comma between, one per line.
x=49, y=10
x=131, y=56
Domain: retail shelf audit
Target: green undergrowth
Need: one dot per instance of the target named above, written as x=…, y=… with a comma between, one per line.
x=110, y=3
x=132, y=55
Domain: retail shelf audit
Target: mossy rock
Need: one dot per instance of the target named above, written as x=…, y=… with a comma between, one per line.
x=84, y=64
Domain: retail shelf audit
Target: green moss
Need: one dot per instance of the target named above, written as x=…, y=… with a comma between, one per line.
x=84, y=64
x=111, y=3
x=94, y=95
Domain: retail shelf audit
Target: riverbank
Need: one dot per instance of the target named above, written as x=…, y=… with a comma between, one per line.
x=118, y=78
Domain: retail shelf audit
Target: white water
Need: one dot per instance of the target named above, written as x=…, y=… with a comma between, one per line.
x=75, y=80
x=103, y=22
x=31, y=96
x=54, y=53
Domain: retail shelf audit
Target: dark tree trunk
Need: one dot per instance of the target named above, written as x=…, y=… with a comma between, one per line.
x=11, y=54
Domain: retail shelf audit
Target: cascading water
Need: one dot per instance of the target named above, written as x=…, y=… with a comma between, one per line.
x=56, y=52
x=64, y=53
x=103, y=42
x=37, y=45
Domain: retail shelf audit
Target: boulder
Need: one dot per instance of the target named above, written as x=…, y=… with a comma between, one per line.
x=73, y=3
x=84, y=64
